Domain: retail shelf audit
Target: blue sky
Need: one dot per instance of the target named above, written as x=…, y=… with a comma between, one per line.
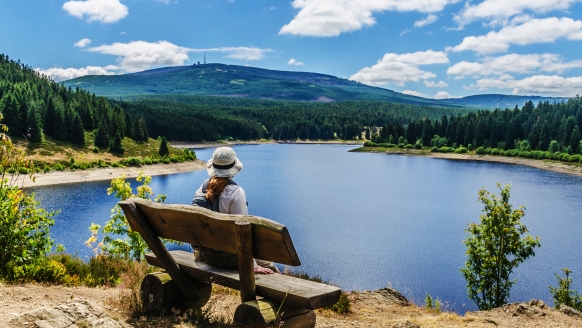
x=431, y=48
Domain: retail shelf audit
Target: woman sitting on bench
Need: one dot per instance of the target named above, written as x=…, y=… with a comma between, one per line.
x=221, y=194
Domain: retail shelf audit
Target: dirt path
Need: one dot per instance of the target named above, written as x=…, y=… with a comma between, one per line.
x=63, y=177
x=369, y=309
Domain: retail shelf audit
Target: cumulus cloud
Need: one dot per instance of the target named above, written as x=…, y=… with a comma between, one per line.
x=443, y=95
x=104, y=11
x=414, y=93
x=62, y=74
x=431, y=18
x=400, y=68
x=239, y=53
x=496, y=10
x=513, y=63
x=532, y=31
x=140, y=55
x=552, y=85
x=82, y=43
x=433, y=84
x=292, y=61
x=326, y=18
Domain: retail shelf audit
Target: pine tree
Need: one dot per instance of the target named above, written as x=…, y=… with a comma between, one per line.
x=101, y=137
x=77, y=134
x=128, y=126
x=11, y=113
x=136, y=131
x=144, y=129
x=34, y=120
x=115, y=145
x=164, y=150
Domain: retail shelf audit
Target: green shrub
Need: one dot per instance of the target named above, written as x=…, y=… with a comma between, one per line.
x=147, y=161
x=132, y=161
x=434, y=149
x=495, y=151
x=488, y=150
x=59, y=167
x=41, y=270
x=165, y=160
x=575, y=158
x=418, y=145
x=176, y=159
x=23, y=170
x=46, y=169
x=95, y=149
x=461, y=150
x=409, y=146
x=563, y=294
x=480, y=150
x=432, y=304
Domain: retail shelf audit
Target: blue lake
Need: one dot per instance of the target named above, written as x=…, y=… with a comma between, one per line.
x=366, y=221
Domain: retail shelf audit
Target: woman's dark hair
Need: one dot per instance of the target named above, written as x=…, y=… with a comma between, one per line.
x=216, y=186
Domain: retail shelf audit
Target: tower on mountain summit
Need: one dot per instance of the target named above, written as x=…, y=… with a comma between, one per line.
x=204, y=59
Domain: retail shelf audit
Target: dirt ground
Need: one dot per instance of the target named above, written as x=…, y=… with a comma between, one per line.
x=381, y=308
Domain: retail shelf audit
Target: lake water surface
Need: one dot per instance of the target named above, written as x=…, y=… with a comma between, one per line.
x=366, y=221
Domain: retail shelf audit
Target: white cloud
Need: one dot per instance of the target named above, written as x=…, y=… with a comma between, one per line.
x=272, y=8
x=62, y=74
x=292, y=61
x=104, y=11
x=443, y=95
x=503, y=9
x=239, y=53
x=532, y=31
x=168, y=1
x=140, y=55
x=433, y=84
x=431, y=18
x=553, y=85
x=414, y=93
x=82, y=43
x=514, y=63
x=400, y=68
x=331, y=18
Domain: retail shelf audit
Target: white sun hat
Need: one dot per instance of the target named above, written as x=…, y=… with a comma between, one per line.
x=223, y=163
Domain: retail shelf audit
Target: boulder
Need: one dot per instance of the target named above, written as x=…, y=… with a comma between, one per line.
x=570, y=311
x=75, y=313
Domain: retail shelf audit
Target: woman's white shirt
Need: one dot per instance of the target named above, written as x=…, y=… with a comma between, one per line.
x=232, y=200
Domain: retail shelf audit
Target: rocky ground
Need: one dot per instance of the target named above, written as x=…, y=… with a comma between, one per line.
x=57, y=306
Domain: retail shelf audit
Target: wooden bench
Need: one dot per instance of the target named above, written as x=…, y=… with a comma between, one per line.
x=285, y=298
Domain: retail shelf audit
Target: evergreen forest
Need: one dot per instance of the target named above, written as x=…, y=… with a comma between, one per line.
x=34, y=107
x=542, y=127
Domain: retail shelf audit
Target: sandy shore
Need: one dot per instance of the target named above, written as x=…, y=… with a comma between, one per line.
x=550, y=165
x=58, y=177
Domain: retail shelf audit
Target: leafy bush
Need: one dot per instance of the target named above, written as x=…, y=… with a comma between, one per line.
x=40, y=270
x=132, y=161
x=434, y=149
x=461, y=150
x=120, y=240
x=147, y=161
x=563, y=294
x=418, y=145
x=165, y=160
x=409, y=146
x=432, y=304
x=480, y=150
x=494, y=249
x=59, y=167
x=495, y=151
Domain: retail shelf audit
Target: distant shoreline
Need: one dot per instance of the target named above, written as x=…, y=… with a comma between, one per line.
x=549, y=165
x=101, y=174
x=199, y=145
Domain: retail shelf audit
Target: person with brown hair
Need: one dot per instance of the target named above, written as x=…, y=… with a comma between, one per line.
x=222, y=194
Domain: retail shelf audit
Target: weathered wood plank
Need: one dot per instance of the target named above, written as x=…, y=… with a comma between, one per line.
x=133, y=215
x=246, y=270
x=300, y=293
x=201, y=227
x=263, y=312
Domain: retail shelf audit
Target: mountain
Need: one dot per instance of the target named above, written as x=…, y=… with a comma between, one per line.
x=258, y=83
x=492, y=101
x=239, y=81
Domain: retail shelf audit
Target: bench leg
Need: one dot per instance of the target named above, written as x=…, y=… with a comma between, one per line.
x=158, y=291
x=264, y=312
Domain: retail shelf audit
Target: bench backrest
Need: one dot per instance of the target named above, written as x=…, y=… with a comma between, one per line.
x=201, y=227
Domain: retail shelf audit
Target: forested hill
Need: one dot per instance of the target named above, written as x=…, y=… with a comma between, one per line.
x=35, y=107
x=258, y=83
x=238, y=81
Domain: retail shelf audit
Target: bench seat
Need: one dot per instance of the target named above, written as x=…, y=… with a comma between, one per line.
x=301, y=293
